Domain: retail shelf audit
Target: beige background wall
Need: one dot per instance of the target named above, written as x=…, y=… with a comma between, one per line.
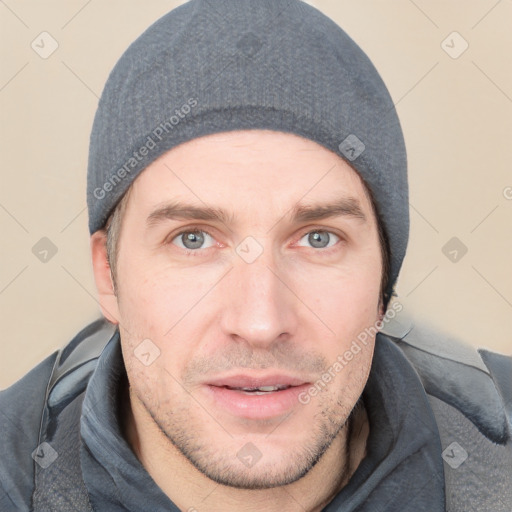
x=456, y=114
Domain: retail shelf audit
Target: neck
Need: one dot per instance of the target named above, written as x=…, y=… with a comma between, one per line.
x=190, y=490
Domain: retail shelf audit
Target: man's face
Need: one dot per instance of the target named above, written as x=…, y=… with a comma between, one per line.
x=268, y=295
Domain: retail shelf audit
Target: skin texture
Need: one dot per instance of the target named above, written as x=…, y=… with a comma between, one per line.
x=209, y=313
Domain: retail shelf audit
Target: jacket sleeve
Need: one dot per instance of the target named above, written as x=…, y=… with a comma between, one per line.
x=21, y=406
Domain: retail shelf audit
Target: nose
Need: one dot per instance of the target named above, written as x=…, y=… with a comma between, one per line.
x=258, y=308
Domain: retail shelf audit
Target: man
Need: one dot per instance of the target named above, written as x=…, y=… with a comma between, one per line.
x=248, y=213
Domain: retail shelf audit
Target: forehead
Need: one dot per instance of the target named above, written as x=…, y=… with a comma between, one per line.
x=247, y=171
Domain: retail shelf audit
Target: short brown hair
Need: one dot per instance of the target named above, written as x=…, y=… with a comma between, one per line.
x=113, y=230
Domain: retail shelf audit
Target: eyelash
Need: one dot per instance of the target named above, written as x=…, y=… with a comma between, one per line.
x=196, y=252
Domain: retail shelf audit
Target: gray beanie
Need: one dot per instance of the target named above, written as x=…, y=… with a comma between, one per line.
x=220, y=65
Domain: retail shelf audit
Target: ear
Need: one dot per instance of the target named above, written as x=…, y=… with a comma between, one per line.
x=103, y=278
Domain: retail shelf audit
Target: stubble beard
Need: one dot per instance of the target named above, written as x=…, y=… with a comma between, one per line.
x=186, y=434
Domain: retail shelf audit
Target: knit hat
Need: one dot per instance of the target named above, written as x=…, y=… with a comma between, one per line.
x=220, y=65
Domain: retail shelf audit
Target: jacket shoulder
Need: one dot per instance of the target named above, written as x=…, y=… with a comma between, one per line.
x=51, y=385
x=21, y=406
x=477, y=383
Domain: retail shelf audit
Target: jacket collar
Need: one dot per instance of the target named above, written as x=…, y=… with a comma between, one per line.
x=403, y=466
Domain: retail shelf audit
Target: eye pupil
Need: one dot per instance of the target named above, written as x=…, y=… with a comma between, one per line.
x=192, y=240
x=319, y=239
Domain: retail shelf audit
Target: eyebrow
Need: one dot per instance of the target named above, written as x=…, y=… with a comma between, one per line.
x=349, y=207
x=182, y=211
x=343, y=207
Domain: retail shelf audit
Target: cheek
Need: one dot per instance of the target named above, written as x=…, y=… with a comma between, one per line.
x=345, y=301
x=153, y=295
x=162, y=304
x=346, y=295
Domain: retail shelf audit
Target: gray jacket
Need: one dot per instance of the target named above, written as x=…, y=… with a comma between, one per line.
x=449, y=447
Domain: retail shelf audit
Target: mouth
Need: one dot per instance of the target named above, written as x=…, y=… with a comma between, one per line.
x=253, y=397
x=261, y=390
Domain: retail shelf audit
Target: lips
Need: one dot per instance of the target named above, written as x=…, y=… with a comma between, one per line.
x=255, y=397
x=254, y=382
x=261, y=390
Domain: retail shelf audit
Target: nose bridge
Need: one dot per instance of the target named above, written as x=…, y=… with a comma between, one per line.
x=258, y=307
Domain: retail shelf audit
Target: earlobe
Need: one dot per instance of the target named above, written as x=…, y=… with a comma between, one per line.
x=103, y=278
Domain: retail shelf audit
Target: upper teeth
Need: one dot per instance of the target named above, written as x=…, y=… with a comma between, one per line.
x=268, y=388
x=263, y=388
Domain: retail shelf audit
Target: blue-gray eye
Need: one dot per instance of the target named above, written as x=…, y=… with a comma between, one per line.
x=321, y=239
x=191, y=240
